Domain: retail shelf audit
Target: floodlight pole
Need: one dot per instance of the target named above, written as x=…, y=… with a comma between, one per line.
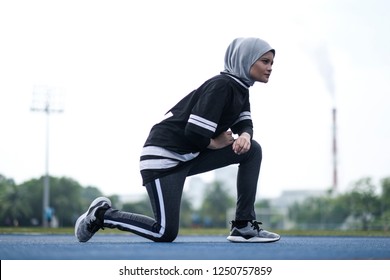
x=46, y=183
x=47, y=109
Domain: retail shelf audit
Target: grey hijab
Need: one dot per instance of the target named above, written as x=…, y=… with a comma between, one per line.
x=242, y=53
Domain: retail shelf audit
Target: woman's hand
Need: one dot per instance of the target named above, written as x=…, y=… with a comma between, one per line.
x=242, y=144
x=221, y=141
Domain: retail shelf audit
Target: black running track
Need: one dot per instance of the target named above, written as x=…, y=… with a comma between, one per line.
x=131, y=247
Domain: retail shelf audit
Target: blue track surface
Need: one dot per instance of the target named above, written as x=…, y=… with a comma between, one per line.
x=130, y=247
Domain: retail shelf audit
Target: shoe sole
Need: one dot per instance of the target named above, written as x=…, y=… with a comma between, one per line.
x=93, y=204
x=240, y=239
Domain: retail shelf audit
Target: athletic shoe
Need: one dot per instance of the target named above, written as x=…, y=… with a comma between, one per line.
x=92, y=220
x=251, y=233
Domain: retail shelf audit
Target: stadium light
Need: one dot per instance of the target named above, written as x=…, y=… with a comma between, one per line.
x=47, y=100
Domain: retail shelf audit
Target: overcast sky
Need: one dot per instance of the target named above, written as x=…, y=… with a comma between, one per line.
x=120, y=65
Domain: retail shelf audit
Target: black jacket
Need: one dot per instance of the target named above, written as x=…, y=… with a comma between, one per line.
x=219, y=104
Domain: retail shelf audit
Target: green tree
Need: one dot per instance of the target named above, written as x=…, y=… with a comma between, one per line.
x=268, y=215
x=14, y=209
x=139, y=207
x=34, y=188
x=65, y=199
x=215, y=204
x=22, y=204
x=364, y=204
x=186, y=212
x=385, y=196
x=88, y=194
x=338, y=210
x=385, y=203
x=306, y=214
x=324, y=212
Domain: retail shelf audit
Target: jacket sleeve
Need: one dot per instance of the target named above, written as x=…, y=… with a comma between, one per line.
x=206, y=113
x=244, y=121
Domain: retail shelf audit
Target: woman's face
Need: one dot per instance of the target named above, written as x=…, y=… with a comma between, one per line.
x=262, y=68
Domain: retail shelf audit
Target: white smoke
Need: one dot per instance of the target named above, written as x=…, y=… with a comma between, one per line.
x=321, y=56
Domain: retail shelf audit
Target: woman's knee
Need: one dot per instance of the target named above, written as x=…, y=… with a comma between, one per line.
x=168, y=236
x=256, y=148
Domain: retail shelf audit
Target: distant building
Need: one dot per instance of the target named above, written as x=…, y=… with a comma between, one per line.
x=277, y=215
x=288, y=198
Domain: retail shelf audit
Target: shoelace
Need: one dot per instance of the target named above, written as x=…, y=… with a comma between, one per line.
x=94, y=225
x=255, y=225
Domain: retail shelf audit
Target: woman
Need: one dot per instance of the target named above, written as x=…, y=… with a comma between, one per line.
x=196, y=136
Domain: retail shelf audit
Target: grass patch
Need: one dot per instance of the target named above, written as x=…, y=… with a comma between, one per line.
x=199, y=231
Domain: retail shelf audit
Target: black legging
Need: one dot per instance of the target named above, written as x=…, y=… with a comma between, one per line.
x=165, y=194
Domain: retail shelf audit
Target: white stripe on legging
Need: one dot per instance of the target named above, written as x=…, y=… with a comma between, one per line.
x=162, y=208
x=142, y=230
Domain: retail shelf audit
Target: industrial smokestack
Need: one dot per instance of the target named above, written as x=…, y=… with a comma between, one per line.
x=321, y=55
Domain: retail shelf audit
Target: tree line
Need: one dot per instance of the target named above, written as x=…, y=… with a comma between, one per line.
x=22, y=204
x=364, y=206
